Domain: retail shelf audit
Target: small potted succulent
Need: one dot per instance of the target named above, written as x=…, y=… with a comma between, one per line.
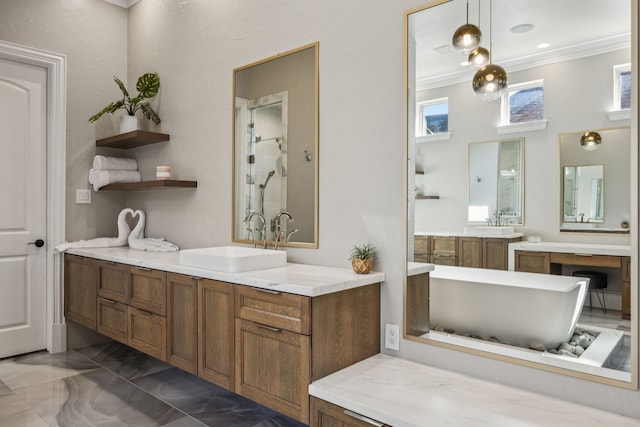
x=147, y=87
x=362, y=258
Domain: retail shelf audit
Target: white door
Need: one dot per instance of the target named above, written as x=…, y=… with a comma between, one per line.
x=22, y=208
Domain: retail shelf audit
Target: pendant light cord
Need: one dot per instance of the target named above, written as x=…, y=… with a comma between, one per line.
x=490, y=31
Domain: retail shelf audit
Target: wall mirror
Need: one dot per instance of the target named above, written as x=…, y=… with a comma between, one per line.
x=495, y=182
x=583, y=194
x=595, y=183
x=544, y=43
x=275, y=149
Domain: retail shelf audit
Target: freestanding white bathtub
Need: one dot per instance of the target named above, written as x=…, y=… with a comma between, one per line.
x=517, y=308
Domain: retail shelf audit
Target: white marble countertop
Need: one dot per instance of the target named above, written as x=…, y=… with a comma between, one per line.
x=402, y=393
x=567, y=247
x=300, y=279
x=479, y=233
x=415, y=268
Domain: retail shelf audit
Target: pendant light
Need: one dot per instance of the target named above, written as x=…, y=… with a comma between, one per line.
x=467, y=37
x=480, y=56
x=491, y=80
x=590, y=141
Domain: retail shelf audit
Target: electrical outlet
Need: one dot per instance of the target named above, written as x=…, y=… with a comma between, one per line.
x=391, y=336
x=83, y=196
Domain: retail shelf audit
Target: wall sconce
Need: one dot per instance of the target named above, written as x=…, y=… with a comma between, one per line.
x=467, y=37
x=590, y=141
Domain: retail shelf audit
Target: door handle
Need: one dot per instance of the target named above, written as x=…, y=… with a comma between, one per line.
x=39, y=243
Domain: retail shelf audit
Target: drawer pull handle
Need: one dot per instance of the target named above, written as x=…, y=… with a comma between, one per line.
x=362, y=418
x=267, y=291
x=268, y=328
x=145, y=312
x=143, y=268
x=108, y=300
x=583, y=254
x=195, y=278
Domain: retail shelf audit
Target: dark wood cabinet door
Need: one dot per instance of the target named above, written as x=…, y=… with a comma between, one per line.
x=182, y=322
x=80, y=290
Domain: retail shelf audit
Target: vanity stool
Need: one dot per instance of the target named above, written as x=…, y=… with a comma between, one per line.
x=597, y=282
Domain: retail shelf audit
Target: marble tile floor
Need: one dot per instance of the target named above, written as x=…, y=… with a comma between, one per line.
x=113, y=385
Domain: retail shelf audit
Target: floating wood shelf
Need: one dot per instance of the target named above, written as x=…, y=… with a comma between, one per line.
x=427, y=197
x=136, y=138
x=160, y=184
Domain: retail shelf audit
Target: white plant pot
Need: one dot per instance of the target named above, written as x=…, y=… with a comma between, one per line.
x=129, y=123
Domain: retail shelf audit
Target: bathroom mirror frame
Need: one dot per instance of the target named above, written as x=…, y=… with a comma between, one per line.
x=413, y=322
x=311, y=156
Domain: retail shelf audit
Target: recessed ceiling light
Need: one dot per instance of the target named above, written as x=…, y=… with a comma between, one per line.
x=543, y=45
x=522, y=28
x=443, y=50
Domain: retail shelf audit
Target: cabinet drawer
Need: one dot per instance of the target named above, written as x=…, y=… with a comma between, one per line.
x=147, y=332
x=148, y=290
x=444, y=245
x=586, y=259
x=278, y=309
x=113, y=281
x=532, y=262
x=444, y=259
x=112, y=319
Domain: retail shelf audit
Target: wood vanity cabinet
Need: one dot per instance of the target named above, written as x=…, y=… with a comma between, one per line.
x=267, y=346
x=532, y=262
x=470, y=252
x=285, y=341
x=464, y=251
x=422, y=249
x=80, y=290
x=325, y=414
x=147, y=322
x=216, y=333
x=495, y=252
x=625, y=278
x=182, y=322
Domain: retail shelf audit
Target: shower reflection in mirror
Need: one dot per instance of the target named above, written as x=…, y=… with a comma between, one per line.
x=264, y=121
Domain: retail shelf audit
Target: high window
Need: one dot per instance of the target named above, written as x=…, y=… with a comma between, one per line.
x=432, y=117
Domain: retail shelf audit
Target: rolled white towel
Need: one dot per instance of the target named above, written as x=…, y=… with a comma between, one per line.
x=120, y=163
x=100, y=178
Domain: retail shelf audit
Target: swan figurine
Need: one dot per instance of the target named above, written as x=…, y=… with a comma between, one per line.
x=138, y=241
x=104, y=242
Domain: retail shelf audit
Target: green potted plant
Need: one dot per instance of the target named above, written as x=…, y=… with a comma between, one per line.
x=362, y=258
x=147, y=87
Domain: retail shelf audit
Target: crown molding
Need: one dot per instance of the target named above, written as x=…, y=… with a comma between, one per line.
x=596, y=47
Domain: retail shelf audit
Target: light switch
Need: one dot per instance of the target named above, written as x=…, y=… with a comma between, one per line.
x=83, y=196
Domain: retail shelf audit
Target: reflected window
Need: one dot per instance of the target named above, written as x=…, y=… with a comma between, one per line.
x=622, y=86
x=523, y=102
x=433, y=117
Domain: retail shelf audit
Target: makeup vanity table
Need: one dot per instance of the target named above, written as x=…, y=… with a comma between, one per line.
x=549, y=257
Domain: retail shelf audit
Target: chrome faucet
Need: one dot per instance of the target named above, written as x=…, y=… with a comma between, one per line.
x=262, y=230
x=279, y=230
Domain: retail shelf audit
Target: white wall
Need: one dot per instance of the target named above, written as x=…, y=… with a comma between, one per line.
x=93, y=36
x=194, y=45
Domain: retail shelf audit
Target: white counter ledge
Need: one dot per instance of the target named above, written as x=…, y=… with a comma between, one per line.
x=402, y=393
x=300, y=279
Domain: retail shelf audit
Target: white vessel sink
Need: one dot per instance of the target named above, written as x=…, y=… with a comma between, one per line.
x=487, y=229
x=232, y=259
